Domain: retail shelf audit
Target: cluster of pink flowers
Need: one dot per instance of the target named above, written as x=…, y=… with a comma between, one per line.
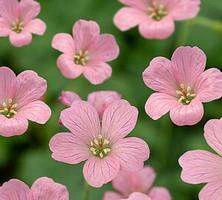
x=98, y=128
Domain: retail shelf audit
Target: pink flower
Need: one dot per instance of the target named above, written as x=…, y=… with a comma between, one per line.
x=100, y=99
x=137, y=196
x=43, y=188
x=102, y=144
x=86, y=52
x=127, y=183
x=18, y=21
x=20, y=101
x=155, y=18
x=203, y=166
x=181, y=86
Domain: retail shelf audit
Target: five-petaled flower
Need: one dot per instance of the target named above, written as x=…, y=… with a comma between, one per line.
x=155, y=18
x=20, y=101
x=86, y=52
x=181, y=86
x=201, y=166
x=43, y=188
x=142, y=181
x=18, y=21
x=101, y=143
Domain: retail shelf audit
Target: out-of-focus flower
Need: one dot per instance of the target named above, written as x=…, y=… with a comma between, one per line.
x=181, y=86
x=203, y=166
x=100, y=99
x=142, y=181
x=43, y=188
x=18, y=21
x=20, y=101
x=86, y=52
x=137, y=196
x=102, y=144
x=155, y=18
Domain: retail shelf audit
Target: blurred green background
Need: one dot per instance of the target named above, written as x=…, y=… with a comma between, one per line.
x=27, y=157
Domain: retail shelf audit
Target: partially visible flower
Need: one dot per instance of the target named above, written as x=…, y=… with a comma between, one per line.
x=43, y=188
x=20, y=101
x=86, y=52
x=137, y=196
x=100, y=99
x=182, y=86
x=18, y=21
x=155, y=18
x=101, y=143
x=142, y=181
x=201, y=166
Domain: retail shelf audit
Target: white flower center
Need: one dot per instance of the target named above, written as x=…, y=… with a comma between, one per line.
x=17, y=26
x=100, y=147
x=185, y=94
x=157, y=11
x=81, y=57
x=8, y=108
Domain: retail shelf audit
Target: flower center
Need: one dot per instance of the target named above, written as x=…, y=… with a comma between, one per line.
x=17, y=26
x=100, y=147
x=185, y=94
x=157, y=11
x=81, y=57
x=8, y=108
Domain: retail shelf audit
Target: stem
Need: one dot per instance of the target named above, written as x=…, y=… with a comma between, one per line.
x=86, y=191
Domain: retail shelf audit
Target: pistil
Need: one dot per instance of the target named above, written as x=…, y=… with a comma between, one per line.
x=157, y=11
x=17, y=26
x=8, y=108
x=185, y=94
x=81, y=57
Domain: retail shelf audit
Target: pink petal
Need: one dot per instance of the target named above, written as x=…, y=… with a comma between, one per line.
x=141, y=181
x=98, y=172
x=184, y=9
x=31, y=88
x=209, y=85
x=183, y=115
x=138, y=196
x=200, y=167
x=12, y=126
x=84, y=33
x=159, y=193
x=4, y=27
x=158, y=104
x=159, y=76
x=127, y=18
x=67, y=98
x=9, y=9
x=102, y=99
x=119, y=119
x=20, y=39
x=36, y=26
x=105, y=48
x=212, y=191
x=188, y=63
x=162, y=29
x=64, y=43
x=68, y=148
x=29, y=9
x=140, y=4
x=131, y=152
x=212, y=134
x=15, y=190
x=68, y=68
x=82, y=120
x=46, y=189
x=112, y=196
x=8, y=84
x=36, y=111
x=97, y=72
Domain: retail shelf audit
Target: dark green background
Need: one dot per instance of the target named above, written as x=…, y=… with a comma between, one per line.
x=27, y=157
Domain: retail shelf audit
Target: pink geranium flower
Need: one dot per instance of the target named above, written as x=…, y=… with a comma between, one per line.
x=18, y=21
x=137, y=196
x=102, y=144
x=43, y=188
x=181, y=86
x=100, y=99
x=86, y=52
x=203, y=166
x=20, y=101
x=155, y=18
x=127, y=183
